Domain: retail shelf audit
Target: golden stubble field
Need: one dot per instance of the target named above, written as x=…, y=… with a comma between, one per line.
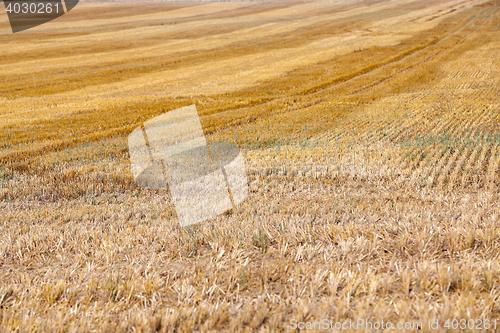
x=371, y=133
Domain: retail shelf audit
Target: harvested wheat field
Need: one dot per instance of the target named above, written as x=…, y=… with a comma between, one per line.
x=371, y=137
